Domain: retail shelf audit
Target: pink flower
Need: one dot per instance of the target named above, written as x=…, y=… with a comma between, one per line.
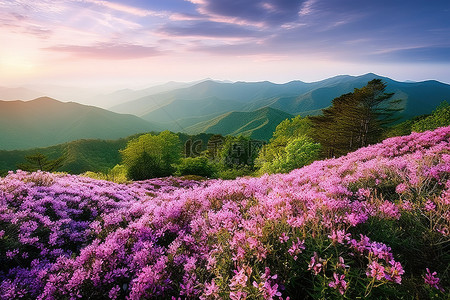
x=406, y=205
x=339, y=236
x=283, y=238
x=430, y=206
x=341, y=263
x=296, y=248
x=401, y=188
x=389, y=210
x=238, y=295
x=211, y=289
x=114, y=292
x=432, y=280
x=395, y=272
x=316, y=264
x=375, y=270
x=240, y=278
x=339, y=283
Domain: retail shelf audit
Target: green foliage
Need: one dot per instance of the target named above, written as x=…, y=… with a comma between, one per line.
x=290, y=148
x=237, y=152
x=439, y=118
x=200, y=166
x=235, y=172
x=292, y=128
x=39, y=161
x=150, y=156
x=355, y=120
x=118, y=174
x=298, y=152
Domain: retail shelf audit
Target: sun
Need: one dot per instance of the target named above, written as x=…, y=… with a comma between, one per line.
x=16, y=65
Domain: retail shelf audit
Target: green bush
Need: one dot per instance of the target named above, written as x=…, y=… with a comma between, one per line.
x=150, y=156
x=200, y=166
x=298, y=152
x=118, y=174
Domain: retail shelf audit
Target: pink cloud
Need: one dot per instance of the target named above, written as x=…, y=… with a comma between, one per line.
x=108, y=51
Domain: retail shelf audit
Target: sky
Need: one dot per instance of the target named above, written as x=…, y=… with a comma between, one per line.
x=137, y=42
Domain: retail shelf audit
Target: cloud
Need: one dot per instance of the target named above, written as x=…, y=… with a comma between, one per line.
x=107, y=51
x=248, y=48
x=15, y=22
x=307, y=7
x=267, y=12
x=418, y=54
x=126, y=8
x=209, y=29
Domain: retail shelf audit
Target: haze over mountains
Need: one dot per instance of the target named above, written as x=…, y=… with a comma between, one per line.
x=176, y=109
x=249, y=108
x=45, y=121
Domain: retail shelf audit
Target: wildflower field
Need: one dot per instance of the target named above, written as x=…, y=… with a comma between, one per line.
x=370, y=225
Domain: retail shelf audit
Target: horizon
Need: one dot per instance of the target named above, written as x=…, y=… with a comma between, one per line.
x=109, y=44
x=87, y=95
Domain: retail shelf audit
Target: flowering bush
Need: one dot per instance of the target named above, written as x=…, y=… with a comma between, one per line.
x=371, y=224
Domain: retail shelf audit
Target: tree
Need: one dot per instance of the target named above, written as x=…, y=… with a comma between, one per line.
x=237, y=152
x=285, y=132
x=146, y=166
x=39, y=161
x=151, y=156
x=199, y=165
x=355, y=120
x=298, y=152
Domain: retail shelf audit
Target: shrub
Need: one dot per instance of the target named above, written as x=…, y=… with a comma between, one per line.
x=200, y=166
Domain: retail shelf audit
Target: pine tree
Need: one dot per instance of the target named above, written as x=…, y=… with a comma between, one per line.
x=39, y=161
x=355, y=120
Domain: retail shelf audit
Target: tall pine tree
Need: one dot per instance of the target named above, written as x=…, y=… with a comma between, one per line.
x=355, y=120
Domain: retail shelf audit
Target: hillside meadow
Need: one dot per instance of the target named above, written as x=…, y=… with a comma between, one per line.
x=373, y=224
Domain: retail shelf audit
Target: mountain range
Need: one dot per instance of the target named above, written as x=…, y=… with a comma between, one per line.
x=181, y=109
x=45, y=121
x=249, y=108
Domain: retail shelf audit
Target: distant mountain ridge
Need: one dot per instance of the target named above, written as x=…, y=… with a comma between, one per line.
x=179, y=109
x=46, y=121
x=248, y=108
x=9, y=94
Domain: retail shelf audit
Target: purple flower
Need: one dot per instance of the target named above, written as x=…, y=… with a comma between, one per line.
x=338, y=283
x=432, y=280
x=316, y=264
x=296, y=248
x=430, y=206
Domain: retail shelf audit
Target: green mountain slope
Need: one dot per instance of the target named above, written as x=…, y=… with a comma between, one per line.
x=243, y=92
x=417, y=97
x=294, y=97
x=259, y=124
x=45, y=121
x=81, y=155
x=176, y=114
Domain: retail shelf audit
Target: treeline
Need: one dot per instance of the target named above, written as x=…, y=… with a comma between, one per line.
x=354, y=120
